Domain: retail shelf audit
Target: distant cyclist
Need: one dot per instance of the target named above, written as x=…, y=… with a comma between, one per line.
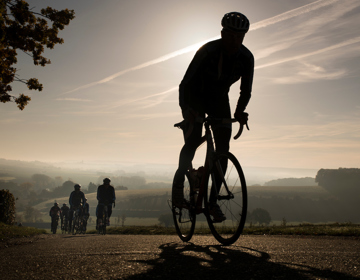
x=65, y=214
x=54, y=213
x=204, y=90
x=76, y=201
x=106, y=197
x=86, y=213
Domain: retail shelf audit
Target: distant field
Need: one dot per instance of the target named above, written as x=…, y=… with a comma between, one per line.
x=123, y=195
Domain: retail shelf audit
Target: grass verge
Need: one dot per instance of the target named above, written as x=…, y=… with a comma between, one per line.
x=8, y=231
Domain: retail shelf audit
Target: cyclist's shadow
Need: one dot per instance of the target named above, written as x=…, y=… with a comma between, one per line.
x=189, y=261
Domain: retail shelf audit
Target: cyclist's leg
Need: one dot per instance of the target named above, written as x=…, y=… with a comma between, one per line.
x=109, y=208
x=99, y=213
x=71, y=215
x=222, y=137
x=186, y=156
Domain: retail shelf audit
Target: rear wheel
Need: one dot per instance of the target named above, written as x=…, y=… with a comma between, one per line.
x=185, y=218
x=228, y=190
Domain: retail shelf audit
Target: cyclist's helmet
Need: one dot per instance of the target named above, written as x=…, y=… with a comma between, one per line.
x=77, y=187
x=64, y=204
x=106, y=180
x=56, y=204
x=236, y=22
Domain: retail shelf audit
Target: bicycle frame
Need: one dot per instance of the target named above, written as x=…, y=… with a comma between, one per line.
x=209, y=160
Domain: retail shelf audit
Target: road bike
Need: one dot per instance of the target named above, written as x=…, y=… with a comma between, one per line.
x=222, y=180
x=65, y=225
x=77, y=225
x=54, y=223
x=102, y=222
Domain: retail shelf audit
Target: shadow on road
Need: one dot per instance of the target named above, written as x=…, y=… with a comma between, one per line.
x=189, y=261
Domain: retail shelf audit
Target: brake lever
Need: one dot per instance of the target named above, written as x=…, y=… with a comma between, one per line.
x=241, y=128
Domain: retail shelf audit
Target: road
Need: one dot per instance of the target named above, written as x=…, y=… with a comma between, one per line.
x=166, y=257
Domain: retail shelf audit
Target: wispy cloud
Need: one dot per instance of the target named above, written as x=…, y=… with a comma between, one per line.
x=284, y=16
x=74, y=99
x=293, y=13
x=301, y=56
x=159, y=96
x=310, y=72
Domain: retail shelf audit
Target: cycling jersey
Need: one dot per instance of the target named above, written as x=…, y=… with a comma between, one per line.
x=65, y=211
x=76, y=198
x=54, y=211
x=106, y=194
x=207, y=81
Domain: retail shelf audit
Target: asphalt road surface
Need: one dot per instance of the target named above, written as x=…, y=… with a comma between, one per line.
x=166, y=257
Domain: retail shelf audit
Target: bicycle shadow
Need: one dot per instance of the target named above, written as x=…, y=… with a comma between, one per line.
x=190, y=261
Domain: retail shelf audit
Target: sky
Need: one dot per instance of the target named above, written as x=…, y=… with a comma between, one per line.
x=111, y=90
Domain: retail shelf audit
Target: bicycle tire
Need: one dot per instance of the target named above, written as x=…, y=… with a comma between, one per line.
x=185, y=218
x=76, y=225
x=234, y=209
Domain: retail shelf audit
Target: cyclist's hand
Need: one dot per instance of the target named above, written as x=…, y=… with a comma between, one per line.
x=241, y=117
x=189, y=114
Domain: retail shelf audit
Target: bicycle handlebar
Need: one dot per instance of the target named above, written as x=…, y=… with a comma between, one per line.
x=218, y=120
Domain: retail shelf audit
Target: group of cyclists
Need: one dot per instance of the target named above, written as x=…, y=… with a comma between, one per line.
x=78, y=203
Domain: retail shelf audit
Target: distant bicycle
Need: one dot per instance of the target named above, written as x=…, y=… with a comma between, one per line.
x=65, y=225
x=102, y=222
x=54, y=223
x=77, y=224
x=221, y=179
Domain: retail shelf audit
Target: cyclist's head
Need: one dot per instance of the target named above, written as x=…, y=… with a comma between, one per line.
x=236, y=22
x=64, y=204
x=77, y=187
x=235, y=25
x=106, y=181
x=56, y=204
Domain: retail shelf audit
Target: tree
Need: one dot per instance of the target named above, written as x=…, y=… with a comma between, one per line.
x=166, y=219
x=260, y=216
x=23, y=29
x=92, y=187
x=42, y=181
x=31, y=214
x=344, y=183
x=7, y=207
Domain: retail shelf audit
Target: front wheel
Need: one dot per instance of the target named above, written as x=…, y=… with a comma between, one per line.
x=226, y=188
x=75, y=226
x=185, y=218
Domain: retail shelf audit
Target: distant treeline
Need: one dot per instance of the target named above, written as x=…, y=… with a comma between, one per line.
x=289, y=182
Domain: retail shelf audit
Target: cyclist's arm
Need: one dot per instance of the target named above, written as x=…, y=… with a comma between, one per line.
x=246, y=81
x=70, y=199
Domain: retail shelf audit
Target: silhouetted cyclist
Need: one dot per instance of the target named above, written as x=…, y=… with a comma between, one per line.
x=204, y=90
x=86, y=213
x=65, y=214
x=76, y=201
x=106, y=197
x=55, y=213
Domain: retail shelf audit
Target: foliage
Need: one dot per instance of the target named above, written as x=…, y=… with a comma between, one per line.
x=260, y=216
x=7, y=207
x=307, y=181
x=31, y=214
x=343, y=182
x=42, y=181
x=166, y=220
x=28, y=31
x=92, y=187
x=64, y=190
